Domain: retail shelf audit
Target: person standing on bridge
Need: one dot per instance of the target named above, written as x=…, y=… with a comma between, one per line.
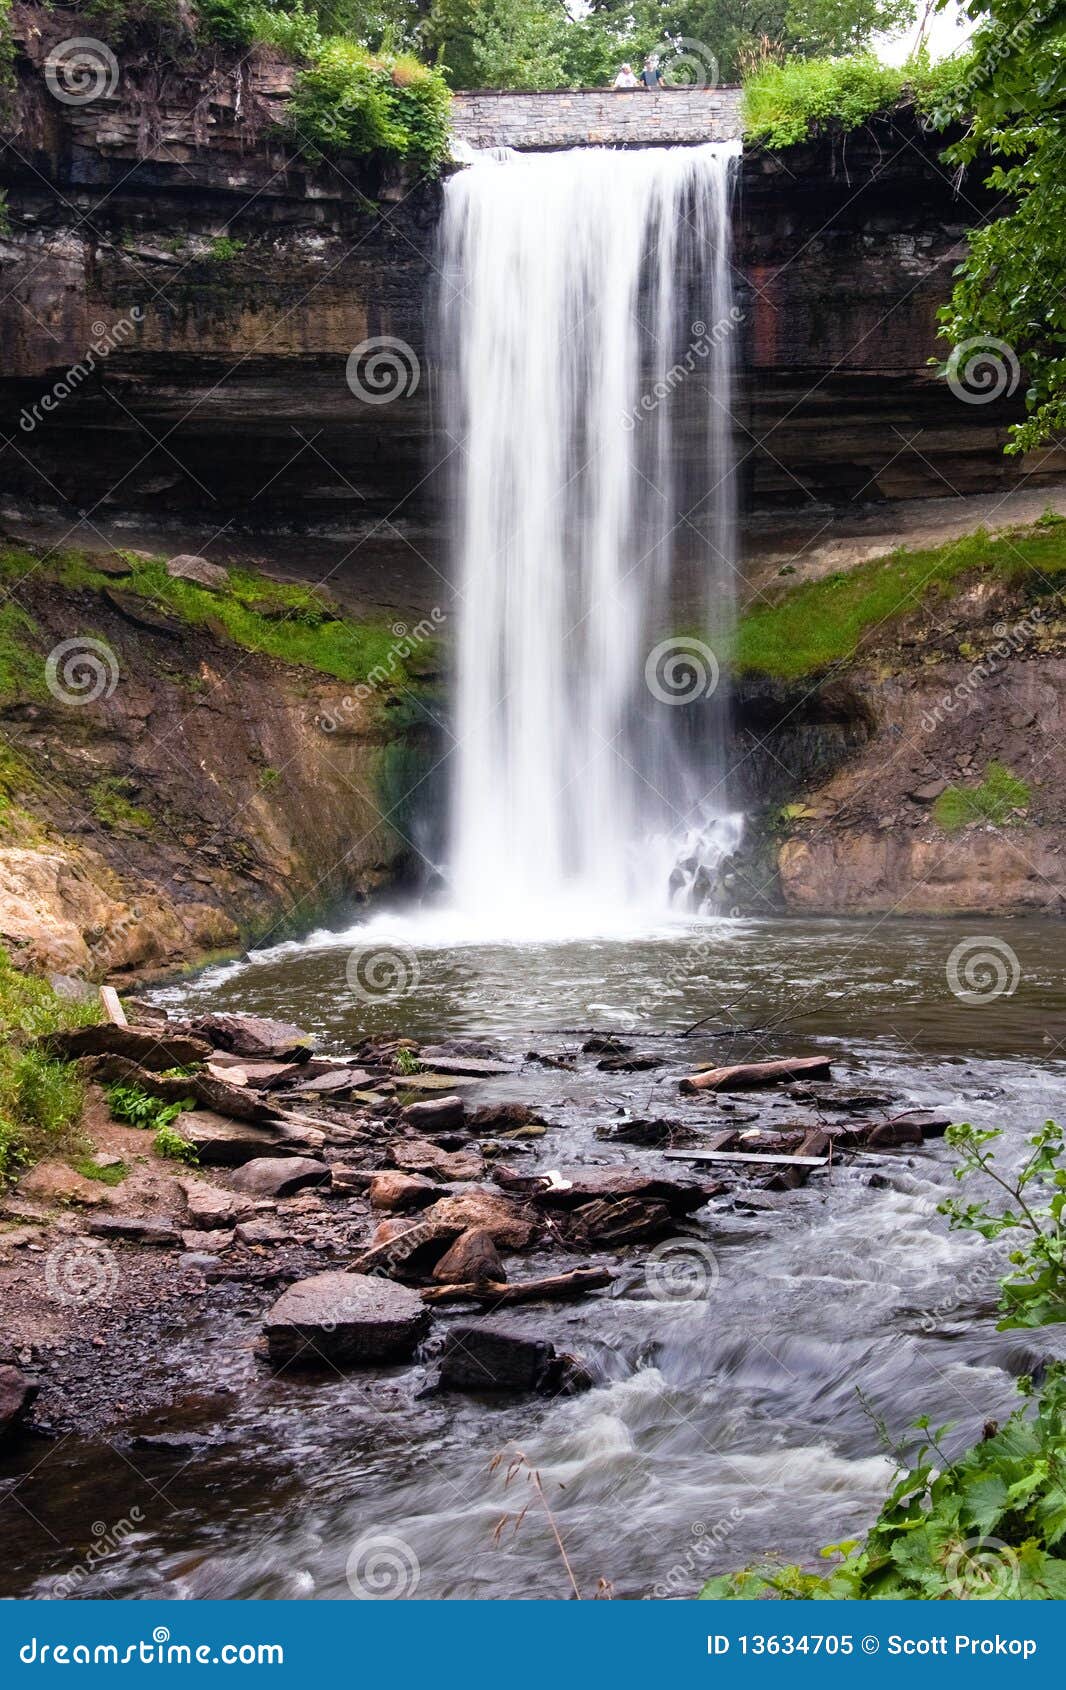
x=625, y=78
x=651, y=76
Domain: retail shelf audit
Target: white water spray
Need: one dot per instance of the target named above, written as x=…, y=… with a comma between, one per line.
x=588, y=340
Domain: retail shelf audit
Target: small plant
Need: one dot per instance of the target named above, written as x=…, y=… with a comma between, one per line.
x=175, y=1148
x=135, y=1106
x=268, y=777
x=111, y=805
x=997, y=798
x=223, y=248
x=1034, y=1294
x=406, y=1062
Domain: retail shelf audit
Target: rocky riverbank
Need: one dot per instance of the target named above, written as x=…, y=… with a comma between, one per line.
x=309, y=1212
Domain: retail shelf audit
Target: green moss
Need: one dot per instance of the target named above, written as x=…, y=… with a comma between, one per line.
x=111, y=806
x=113, y=1175
x=21, y=666
x=999, y=795
x=824, y=622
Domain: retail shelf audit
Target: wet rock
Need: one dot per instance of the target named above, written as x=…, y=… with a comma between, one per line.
x=17, y=1396
x=187, y=566
x=576, y=1186
x=472, y=1067
x=893, y=1135
x=847, y=1099
x=405, y=1247
x=347, y=1319
x=605, y=1045
x=399, y=1192
x=499, y=1117
x=790, y=1179
x=151, y=1047
x=472, y=1259
x=436, y=1114
x=255, y=1036
x=653, y=1135
x=509, y=1224
x=135, y=1229
x=221, y=1142
x=482, y=1356
x=419, y=1156
x=630, y=1064
x=611, y=1223
x=460, y=1047
x=206, y=1206
x=280, y=1176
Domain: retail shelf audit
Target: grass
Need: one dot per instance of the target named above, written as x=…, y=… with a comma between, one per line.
x=282, y=619
x=174, y=1148
x=786, y=102
x=113, y=1175
x=995, y=800
x=40, y=1098
x=823, y=622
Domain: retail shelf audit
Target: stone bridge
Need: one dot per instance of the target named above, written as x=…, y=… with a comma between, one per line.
x=596, y=117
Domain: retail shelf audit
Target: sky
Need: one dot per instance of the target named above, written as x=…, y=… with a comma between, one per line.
x=947, y=31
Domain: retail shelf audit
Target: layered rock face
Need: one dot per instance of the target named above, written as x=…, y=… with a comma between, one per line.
x=184, y=289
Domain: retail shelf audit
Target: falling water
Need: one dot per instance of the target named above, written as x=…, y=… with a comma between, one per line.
x=587, y=330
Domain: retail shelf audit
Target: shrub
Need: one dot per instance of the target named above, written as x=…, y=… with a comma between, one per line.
x=785, y=102
x=175, y=1148
x=135, y=1106
x=351, y=100
x=40, y=1097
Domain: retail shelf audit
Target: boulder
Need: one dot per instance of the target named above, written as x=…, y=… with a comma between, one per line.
x=405, y=1247
x=347, y=1319
x=17, y=1395
x=436, y=1114
x=153, y=1047
x=197, y=1241
x=261, y=1233
x=187, y=566
x=472, y=1259
x=399, y=1192
x=419, y=1155
x=254, y=1035
x=508, y=1223
x=495, y=1117
x=207, y=1206
x=280, y=1176
x=481, y=1356
x=573, y=1187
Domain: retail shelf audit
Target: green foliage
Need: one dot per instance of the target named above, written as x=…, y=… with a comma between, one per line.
x=40, y=1098
x=171, y=1145
x=1034, y=1293
x=21, y=667
x=137, y=1108
x=406, y=1062
x=823, y=622
x=350, y=100
x=110, y=805
x=995, y=800
x=223, y=248
x=1009, y=288
x=989, y=1525
x=784, y=103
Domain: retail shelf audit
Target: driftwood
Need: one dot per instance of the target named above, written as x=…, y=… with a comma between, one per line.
x=555, y=1287
x=744, y=1075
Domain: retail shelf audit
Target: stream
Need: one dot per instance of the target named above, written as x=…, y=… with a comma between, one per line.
x=722, y=1425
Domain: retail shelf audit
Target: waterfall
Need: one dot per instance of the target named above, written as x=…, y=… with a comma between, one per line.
x=587, y=344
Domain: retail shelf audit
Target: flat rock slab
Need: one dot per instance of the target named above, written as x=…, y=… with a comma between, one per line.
x=221, y=1142
x=339, y=1081
x=187, y=566
x=135, y=1230
x=476, y=1067
x=280, y=1176
x=419, y=1156
x=254, y=1035
x=17, y=1395
x=152, y=1047
x=347, y=1319
x=509, y=1224
x=576, y=1186
x=742, y=1076
x=262, y=1233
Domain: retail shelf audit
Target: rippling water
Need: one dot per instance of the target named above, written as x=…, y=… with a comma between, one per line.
x=721, y=1427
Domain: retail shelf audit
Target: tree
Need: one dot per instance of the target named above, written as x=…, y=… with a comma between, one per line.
x=1009, y=291
x=845, y=26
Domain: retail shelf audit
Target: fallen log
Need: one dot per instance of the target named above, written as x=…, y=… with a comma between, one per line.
x=814, y=1146
x=554, y=1288
x=746, y=1156
x=744, y=1076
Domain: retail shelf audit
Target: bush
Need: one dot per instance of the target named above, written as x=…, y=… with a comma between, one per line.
x=171, y=1145
x=785, y=103
x=40, y=1097
x=350, y=100
x=137, y=1108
